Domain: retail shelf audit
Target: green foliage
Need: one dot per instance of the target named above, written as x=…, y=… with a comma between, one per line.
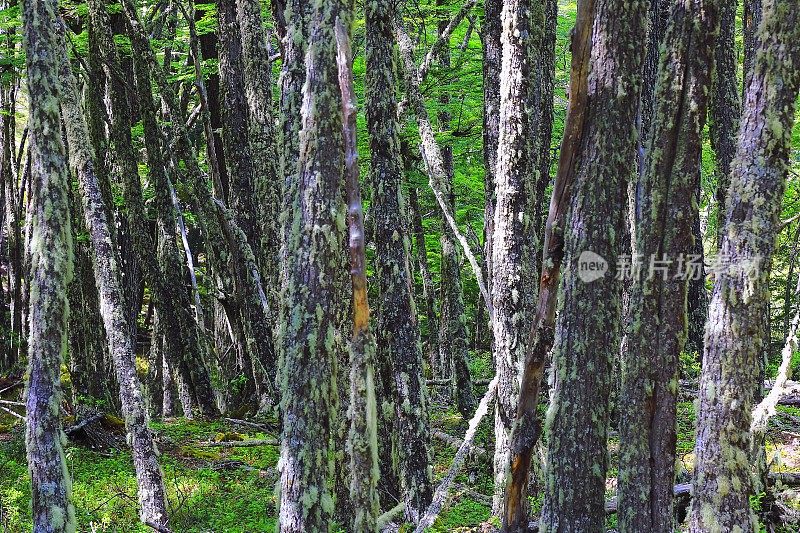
x=463, y=514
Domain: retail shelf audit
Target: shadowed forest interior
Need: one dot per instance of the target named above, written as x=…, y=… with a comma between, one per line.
x=399, y=265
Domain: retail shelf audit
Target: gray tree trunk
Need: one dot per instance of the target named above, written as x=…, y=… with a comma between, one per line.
x=667, y=210
x=587, y=328
x=511, y=263
x=736, y=329
x=152, y=495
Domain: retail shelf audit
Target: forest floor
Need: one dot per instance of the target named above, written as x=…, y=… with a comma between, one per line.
x=232, y=489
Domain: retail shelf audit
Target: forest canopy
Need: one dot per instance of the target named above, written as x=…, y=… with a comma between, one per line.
x=448, y=265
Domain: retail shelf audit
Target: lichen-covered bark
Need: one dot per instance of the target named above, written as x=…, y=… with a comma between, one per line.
x=736, y=330
x=666, y=212
x=152, y=495
x=51, y=269
x=397, y=329
x=586, y=336
x=522, y=22
x=315, y=290
x=724, y=110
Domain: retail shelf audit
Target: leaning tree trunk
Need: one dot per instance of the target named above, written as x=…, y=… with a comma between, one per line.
x=51, y=268
x=152, y=495
x=522, y=22
x=667, y=211
x=397, y=330
x=586, y=337
x=736, y=329
x=315, y=290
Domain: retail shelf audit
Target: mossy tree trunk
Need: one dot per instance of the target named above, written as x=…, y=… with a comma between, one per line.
x=587, y=328
x=667, y=211
x=50, y=255
x=736, y=330
x=397, y=329
x=522, y=22
x=315, y=291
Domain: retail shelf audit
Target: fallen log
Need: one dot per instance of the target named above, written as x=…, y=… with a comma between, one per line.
x=239, y=443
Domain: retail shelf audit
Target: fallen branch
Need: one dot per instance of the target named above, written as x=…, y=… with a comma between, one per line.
x=9, y=411
x=766, y=409
x=10, y=402
x=440, y=495
x=70, y=431
x=247, y=423
x=239, y=443
x=456, y=443
x=17, y=384
x=386, y=518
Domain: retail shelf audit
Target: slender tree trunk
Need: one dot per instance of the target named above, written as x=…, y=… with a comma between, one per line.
x=587, y=340
x=51, y=268
x=242, y=186
x=751, y=19
x=665, y=240
x=152, y=495
x=736, y=330
x=453, y=346
x=362, y=438
x=492, y=58
x=522, y=22
x=397, y=329
x=428, y=291
x=315, y=290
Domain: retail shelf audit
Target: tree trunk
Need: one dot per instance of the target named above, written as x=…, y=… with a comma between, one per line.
x=522, y=22
x=667, y=210
x=51, y=268
x=724, y=108
x=428, y=291
x=316, y=287
x=152, y=495
x=586, y=336
x=397, y=329
x=363, y=435
x=736, y=329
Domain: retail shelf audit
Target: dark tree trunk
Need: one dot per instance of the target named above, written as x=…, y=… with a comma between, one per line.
x=586, y=335
x=724, y=108
x=667, y=211
x=397, y=329
x=736, y=330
